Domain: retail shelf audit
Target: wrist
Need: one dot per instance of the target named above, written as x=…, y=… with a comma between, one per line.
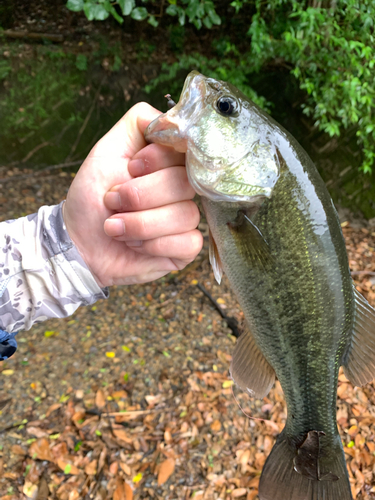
x=80, y=248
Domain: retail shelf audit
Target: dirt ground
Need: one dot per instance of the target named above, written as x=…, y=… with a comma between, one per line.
x=132, y=398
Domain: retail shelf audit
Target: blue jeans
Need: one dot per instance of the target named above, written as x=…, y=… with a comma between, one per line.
x=8, y=345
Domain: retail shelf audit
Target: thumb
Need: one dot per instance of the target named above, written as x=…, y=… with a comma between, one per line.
x=126, y=138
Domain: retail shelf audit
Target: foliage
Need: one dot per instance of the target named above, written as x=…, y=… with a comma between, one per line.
x=33, y=92
x=328, y=45
x=227, y=70
x=331, y=53
x=197, y=12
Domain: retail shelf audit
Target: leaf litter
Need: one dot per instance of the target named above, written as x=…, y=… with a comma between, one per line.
x=156, y=418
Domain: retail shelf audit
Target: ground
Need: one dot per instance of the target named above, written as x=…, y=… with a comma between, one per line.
x=132, y=399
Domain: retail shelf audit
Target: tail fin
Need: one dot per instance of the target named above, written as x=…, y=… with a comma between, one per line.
x=280, y=481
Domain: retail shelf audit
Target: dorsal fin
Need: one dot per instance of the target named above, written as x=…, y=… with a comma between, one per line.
x=215, y=258
x=250, y=369
x=359, y=359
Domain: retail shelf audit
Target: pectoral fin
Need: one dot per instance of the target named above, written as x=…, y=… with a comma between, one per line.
x=250, y=369
x=250, y=242
x=215, y=259
x=359, y=359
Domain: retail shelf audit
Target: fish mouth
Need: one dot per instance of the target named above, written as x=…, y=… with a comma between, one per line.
x=170, y=128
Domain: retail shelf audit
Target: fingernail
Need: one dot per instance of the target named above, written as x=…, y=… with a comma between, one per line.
x=113, y=200
x=114, y=227
x=136, y=167
x=134, y=243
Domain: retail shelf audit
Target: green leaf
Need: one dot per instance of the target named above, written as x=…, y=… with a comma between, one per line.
x=75, y=5
x=101, y=13
x=64, y=398
x=27, y=469
x=67, y=468
x=207, y=22
x=126, y=6
x=95, y=12
x=81, y=64
x=172, y=10
x=139, y=13
x=210, y=9
x=153, y=21
x=77, y=446
x=117, y=63
x=89, y=10
x=197, y=23
x=181, y=16
x=114, y=12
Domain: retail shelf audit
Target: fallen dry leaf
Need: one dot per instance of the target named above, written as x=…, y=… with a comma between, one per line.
x=123, y=435
x=238, y=492
x=125, y=467
x=67, y=467
x=166, y=469
x=123, y=491
x=40, y=449
x=73, y=495
x=90, y=468
x=113, y=468
x=37, y=432
x=100, y=399
x=216, y=425
x=18, y=450
x=30, y=490
x=52, y=408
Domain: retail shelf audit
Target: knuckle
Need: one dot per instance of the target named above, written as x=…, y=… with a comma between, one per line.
x=180, y=264
x=132, y=197
x=142, y=227
x=160, y=246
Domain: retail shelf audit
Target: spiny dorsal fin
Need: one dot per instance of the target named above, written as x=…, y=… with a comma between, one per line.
x=250, y=369
x=359, y=360
x=215, y=259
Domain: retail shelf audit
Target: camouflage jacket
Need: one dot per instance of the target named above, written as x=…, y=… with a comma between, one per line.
x=42, y=274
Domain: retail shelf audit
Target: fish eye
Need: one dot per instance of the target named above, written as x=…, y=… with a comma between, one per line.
x=226, y=105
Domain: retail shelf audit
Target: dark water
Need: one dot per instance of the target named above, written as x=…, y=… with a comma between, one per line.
x=87, y=103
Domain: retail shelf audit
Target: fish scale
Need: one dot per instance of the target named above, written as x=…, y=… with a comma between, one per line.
x=276, y=235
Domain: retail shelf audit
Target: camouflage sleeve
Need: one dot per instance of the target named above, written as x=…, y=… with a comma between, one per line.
x=42, y=274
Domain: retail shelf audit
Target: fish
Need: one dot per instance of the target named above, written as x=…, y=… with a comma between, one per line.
x=275, y=233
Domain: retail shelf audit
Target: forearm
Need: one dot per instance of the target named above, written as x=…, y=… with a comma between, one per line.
x=42, y=274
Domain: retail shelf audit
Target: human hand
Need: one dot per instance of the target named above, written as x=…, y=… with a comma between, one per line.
x=129, y=210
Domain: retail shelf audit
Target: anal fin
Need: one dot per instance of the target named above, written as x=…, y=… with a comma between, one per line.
x=250, y=369
x=359, y=359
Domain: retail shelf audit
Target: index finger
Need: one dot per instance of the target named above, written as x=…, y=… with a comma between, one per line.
x=126, y=137
x=153, y=158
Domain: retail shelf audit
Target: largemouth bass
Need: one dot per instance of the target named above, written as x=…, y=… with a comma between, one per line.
x=275, y=232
